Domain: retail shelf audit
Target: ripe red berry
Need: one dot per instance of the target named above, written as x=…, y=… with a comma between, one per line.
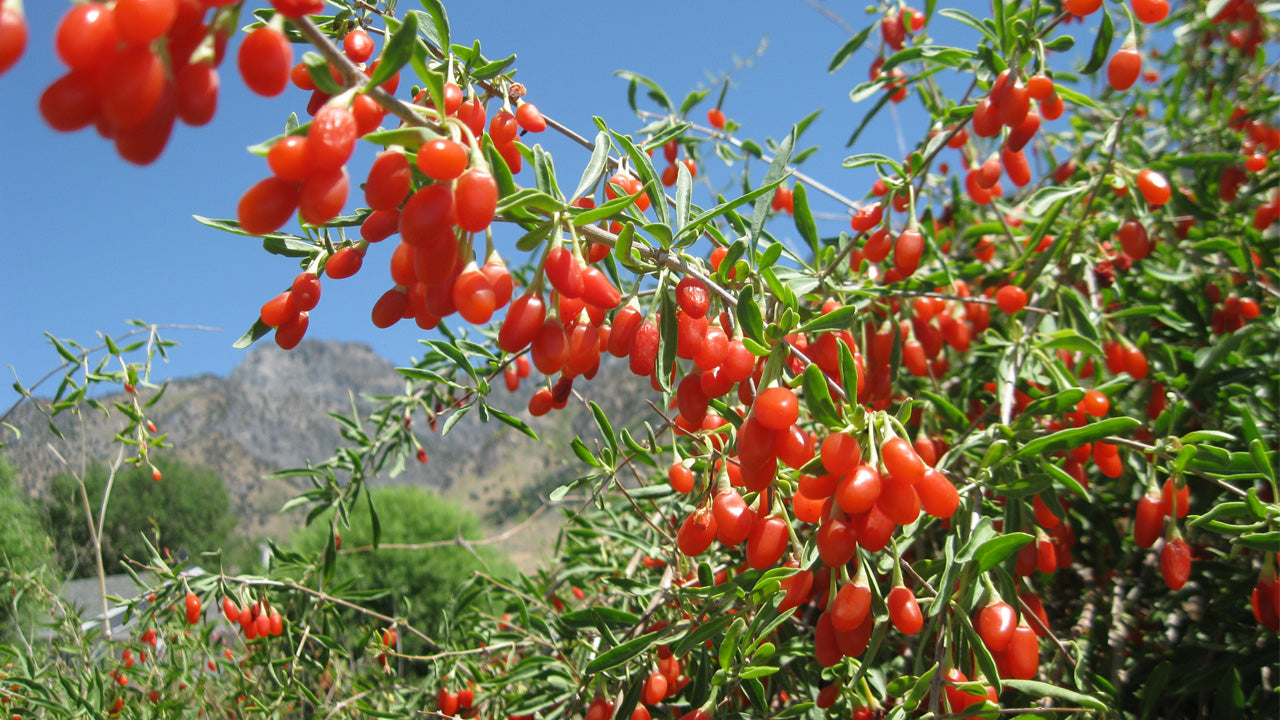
x=87, y=36
x=1011, y=299
x=357, y=45
x=141, y=21
x=1153, y=186
x=345, y=262
x=776, y=408
x=13, y=37
x=1123, y=68
x=901, y=461
x=267, y=206
x=1023, y=653
x=138, y=83
x=1095, y=403
x=529, y=118
x=331, y=138
x=475, y=199
x=265, y=61
x=389, y=182
x=995, y=625
x=192, y=607
x=323, y=195
x=1150, y=11
x=197, y=87
x=297, y=8
x=715, y=117
x=692, y=296
x=1175, y=563
x=904, y=611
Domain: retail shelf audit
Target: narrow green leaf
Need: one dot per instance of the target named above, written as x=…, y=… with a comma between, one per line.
x=643, y=166
x=684, y=196
x=318, y=69
x=819, y=398
x=398, y=50
x=805, y=224
x=668, y=330
x=1264, y=541
x=595, y=167
x=994, y=551
x=252, y=335
x=847, y=50
x=374, y=522
x=1101, y=44
x=602, y=423
x=839, y=319
x=655, y=91
x=749, y=315
x=621, y=653
x=1075, y=437
x=777, y=171
x=729, y=646
x=440, y=21
x=1045, y=690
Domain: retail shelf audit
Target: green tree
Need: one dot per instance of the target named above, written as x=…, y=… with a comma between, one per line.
x=188, y=509
x=25, y=548
x=420, y=564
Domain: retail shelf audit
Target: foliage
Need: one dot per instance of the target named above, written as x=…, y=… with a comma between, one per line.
x=187, y=512
x=25, y=546
x=1007, y=448
x=420, y=565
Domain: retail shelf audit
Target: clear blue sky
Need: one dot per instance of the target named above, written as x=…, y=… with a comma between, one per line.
x=93, y=241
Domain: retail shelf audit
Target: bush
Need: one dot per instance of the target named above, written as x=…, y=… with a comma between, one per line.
x=1003, y=448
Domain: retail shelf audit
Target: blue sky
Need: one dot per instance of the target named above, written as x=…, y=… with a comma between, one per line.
x=94, y=241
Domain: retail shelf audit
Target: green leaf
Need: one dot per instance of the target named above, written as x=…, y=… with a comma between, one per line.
x=655, y=91
x=288, y=245
x=643, y=166
x=1045, y=197
x=1075, y=437
x=1153, y=688
x=252, y=335
x=440, y=21
x=595, y=167
x=318, y=69
x=374, y=523
x=847, y=50
x=684, y=196
x=1264, y=541
x=534, y=236
x=729, y=646
x=994, y=551
x=805, y=224
x=725, y=207
x=1075, y=98
x=777, y=171
x=971, y=21
x=1101, y=44
x=398, y=51
x=934, y=54
x=819, y=398
x=952, y=413
x=492, y=69
x=839, y=319
x=668, y=330
x=1045, y=690
x=514, y=422
x=621, y=653
x=866, y=119
x=602, y=422
x=749, y=315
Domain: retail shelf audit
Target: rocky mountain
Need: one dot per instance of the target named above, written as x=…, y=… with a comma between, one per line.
x=270, y=413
